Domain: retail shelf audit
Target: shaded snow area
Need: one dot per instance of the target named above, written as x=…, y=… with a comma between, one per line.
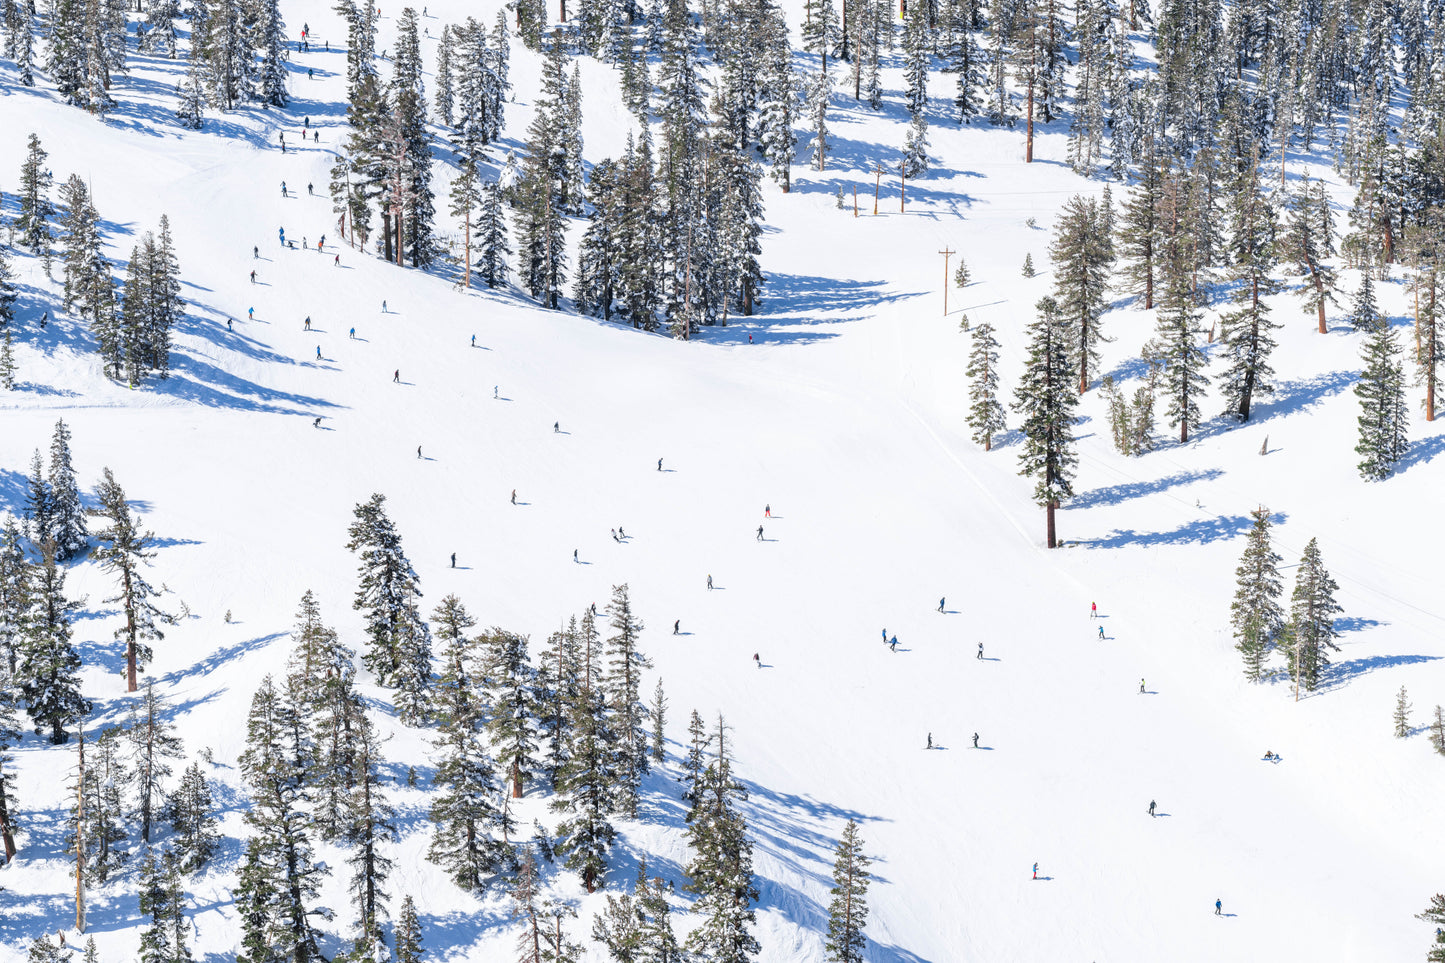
x=840, y=407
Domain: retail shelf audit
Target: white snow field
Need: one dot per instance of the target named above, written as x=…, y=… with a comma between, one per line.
x=840, y=405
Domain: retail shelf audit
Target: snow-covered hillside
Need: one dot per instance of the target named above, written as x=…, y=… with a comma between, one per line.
x=840, y=406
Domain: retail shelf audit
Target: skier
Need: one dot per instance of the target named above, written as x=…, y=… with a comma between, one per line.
x=253, y=277
x=1141, y=686
x=308, y=188
x=1036, y=870
x=676, y=626
x=620, y=533
x=454, y=559
x=885, y=636
x=317, y=422
x=44, y=320
x=556, y=427
x=980, y=651
x=975, y=740
x=514, y=497
x=767, y=511
x=250, y=314
x=574, y=554
x=316, y=137
x=659, y=464
x=337, y=262
x=321, y=243
x=310, y=73
x=228, y=324
x=613, y=533
x=255, y=251
x=1093, y=610
x=308, y=322
x=940, y=604
x=760, y=533
x=396, y=376
x=709, y=583
x=418, y=451
x=383, y=305
x=1218, y=907
x=303, y=242
x=494, y=393
x=353, y=334
x=893, y=644
x=283, y=183
x=281, y=233
x=930, y=740
x=318, y=352
x=474, y=341
x=1101, y=631
x=1151, y=807
x=283, y=140
x=757, y=661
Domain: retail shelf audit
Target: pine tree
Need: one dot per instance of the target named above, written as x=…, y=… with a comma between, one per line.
x=279, y=876
x=464, y=810
x=1402, y=714
x=1046, y=397
x=1437, y=731
x=7, y=360
x=39, y=516
x=721, y=870
x=658, y=711
x=1435, y=914
x=8, y=297
x=777, y=101
x=386, y=590
x=1028, y=268
x=494, y=248
x=95, y=824
x=525, y=896
x=32, y=221
x=153, y=743
x=1303, y=249
x=15, y=598
x=511, y=694
x=67, y=516
x=466, y=198
x=624, y=685
x=1365, y=313
x=1184, y=358
x=820, y=89
x=48, y=666
x=44, y=951
x=1246, y=330
x=587, y=781
x=1384, y=415
x=462, y=669
x=848, y=912
x=370, y=824
x=88, y=284
x=127, y=551
x=985, y=412
x=9, y=736
x=1081, y=253
x=408, y=933
x=1312, y=620
x=917, y=41
x=270, y=73
x=1256, y=616
x=1138, y=235
x=192, y=815
x=163, y=899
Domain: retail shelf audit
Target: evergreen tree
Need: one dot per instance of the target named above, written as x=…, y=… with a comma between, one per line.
x=32, y=221
x=1402, y=714
x=1081, y=252
x=1384, y=416
x=658, y=711
x=848, y=911
x=1312, y=620
x=985, y=412
x=95, y=824
x=1256, y=616
x=721, y=870
x=466, y=198
x=1178, y=329
x=624, y=685
x=270, y=73
x=15, y=598
x=370, y=824
x=8, y=297
x=126, y=551
x=67, y=516
x=39, y=516
x=192, y=815
x=153, y=743
x=1046, y=399
x=387, y=588
x=1435, y=914
x=1303, y=248
x=587, y=781
x=464, y=810
x=1437, y=731
x=820, y=89
x=89, y=288
x=1246, y=330
x=1138, y=235
x=494, y=248
x=1365, y=313
x=7, y=360
x=462, y=669
x=1028, y=268
x=48, y=666
x=9, y=736
x=511, y=694
x=408, y=933
x=163, y=899
x=777, y=100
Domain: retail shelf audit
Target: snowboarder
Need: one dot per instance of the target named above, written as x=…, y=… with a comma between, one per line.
x=418, y=451
x=709, y=583
x=1141, y=686
x=474, y=341
x=767, y=511
x=1093, y=610
x=975, y=740
x=1101, y=631
x=760, y=532
x=1151, y=807
x=253, y=277
x=514, y=498
x=396, y=376
x=352, y=334
x=308, y=322
x=659, y=464
x=1218, y=907
x=940, y=603
x=930, y=740
x=676, y=627
x=250, y=314
x=317, y=422
x=980, y=651
x=228, y=324
x=454, y=559
x=1036, y=870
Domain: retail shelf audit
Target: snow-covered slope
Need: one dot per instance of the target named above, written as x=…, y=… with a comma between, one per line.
x=841, y=407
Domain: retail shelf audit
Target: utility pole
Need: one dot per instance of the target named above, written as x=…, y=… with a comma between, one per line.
x=946, y=255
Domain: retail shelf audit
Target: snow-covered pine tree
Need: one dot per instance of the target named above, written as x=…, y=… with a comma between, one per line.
x=124, y=552
x=88, y=284
x=1028, y=268
x=39, y=516
x=270, y=74
x=1365, y=312
x=466, y=199
x=1138, y=234
x=14, y=597
x=8, y=297
x=965, y=59
x=494, y=249
x=462, y=669
x=917, y=51
x=558, y=687
x=820, y=89
x=135, y=305
x=1178, y=325
x=153, y=743
x=985, y=410
x=42, y=950
x=67, y=515
x=445, y=98
x=624, y=698
x=658, y=711
x=721, y=870
x=163, y=899
x=279, y=875
x=1312, y=620
x=540, y=201
x=407, y=933
x=1302, y=248
x=1384, y=415
x=414, y=668
x=1046, y=396
x=1081, y=253
x=96, y=817
x=319, y=685
x=510, y=691
x=48, y=669
x=464, y=809
x=191, y=97
x=9, y=736
x=1246, y=330
x=570, y=115
x=599, y=255
x=1255, y=615
x=915, y=145
x=587, y=782
x=1436, y=914
x=386, y=587
x=1437, y=730
x=32, y=220
x=370, y=824
x=1402, y=714
x=848, y=911
x=7, y=360
x=230, y=51
x=193, y=818
x=1426, y=250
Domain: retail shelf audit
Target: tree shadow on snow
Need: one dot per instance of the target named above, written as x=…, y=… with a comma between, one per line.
x=1114, y=494
x=1198, y=532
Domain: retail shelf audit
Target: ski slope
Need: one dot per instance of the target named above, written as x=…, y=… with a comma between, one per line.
x=840, y=405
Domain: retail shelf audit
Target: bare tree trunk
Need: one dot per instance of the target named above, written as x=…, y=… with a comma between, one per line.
x=80, y=834
x=130, y=655
x=1049, y=514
